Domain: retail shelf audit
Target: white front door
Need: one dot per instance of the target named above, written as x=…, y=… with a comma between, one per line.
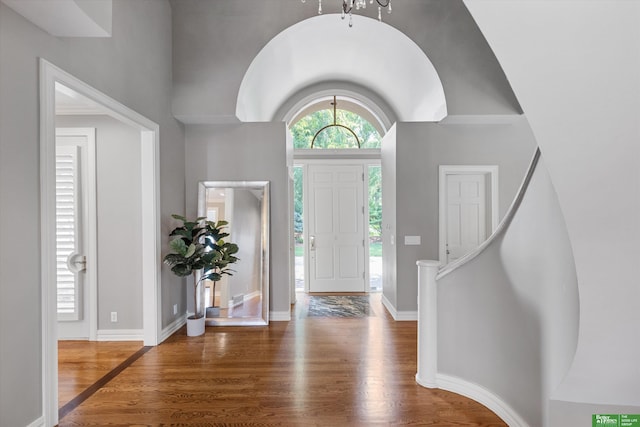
x=336, y=228
x=75, y=203
x=465, y=214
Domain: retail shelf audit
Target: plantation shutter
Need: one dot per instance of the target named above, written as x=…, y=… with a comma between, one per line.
x=67, y=205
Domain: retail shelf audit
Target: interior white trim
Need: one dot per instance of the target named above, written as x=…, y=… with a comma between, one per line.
x=150, y=230
x=78, y=111
x=444, y=170
x=390, y=308
x=279, y=316
x=338, y=161
x=398, y=316
x=251, y=295
x=173, y=327
x=308, y=104
x=370, y=155
x=49, y=75
x=482, y=396
x=36, y=423
x=406, y=316
x=120, y=335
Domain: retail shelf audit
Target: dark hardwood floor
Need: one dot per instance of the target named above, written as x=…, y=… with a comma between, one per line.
x=307, y=372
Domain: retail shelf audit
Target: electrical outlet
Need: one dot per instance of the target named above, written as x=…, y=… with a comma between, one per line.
x=175, y=308
x=114, y=316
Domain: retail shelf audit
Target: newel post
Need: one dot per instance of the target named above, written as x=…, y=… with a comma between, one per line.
x=427, y=323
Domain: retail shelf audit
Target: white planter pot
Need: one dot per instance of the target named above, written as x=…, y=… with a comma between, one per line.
x=195, y=327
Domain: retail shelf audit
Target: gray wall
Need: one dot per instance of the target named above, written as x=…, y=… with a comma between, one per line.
x=508, y=320
x=134, y=67
x=420, y=148
x=472, y=78
x=119, y=211
x=246, y=152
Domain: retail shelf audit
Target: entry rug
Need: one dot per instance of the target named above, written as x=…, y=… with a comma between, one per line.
x=339, y=306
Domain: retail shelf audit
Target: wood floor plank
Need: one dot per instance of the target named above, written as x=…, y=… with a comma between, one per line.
x=307, y=372
x=82, y=363
x=100, y=383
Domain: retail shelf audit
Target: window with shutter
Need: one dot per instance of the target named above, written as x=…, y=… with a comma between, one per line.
x=67, y=187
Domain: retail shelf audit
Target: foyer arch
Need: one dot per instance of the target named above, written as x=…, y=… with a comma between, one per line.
x=386, y=64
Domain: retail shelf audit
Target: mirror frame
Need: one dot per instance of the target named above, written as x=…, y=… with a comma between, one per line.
x=203, y=186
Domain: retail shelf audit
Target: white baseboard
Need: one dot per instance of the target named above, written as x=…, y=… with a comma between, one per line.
x=172, y=327
x=252, y=295
x=120, y=335
x=245, y=298
x=390, y=308
x=482, y=396
x=399, y=315
x=37, y=423
x=279, y=316
x=405, y=316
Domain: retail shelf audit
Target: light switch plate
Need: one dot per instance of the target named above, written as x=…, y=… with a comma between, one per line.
x=412, y=240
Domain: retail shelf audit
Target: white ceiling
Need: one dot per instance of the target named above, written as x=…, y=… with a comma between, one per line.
x=70, y=102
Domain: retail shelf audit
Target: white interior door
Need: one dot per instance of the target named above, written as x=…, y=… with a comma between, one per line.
x=336, y=228
x=75, y=249
x=465, y=214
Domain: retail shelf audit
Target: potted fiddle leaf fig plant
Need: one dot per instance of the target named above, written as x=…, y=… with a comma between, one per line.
x=188, y=258
x=198, y=248
x=219, y=256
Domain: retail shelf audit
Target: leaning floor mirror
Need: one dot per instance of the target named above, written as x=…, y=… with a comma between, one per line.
x=243, y=297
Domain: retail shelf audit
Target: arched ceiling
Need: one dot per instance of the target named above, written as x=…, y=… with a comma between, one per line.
x=371, y=55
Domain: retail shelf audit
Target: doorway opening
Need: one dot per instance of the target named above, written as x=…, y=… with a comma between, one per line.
x=336, y=197
x=52, y=81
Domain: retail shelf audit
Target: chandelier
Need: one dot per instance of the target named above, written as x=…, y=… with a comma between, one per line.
x=349, y=5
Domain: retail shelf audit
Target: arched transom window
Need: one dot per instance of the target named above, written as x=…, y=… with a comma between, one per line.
x=334, y=128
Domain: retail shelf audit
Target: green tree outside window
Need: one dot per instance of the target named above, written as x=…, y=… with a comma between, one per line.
x=334, y=137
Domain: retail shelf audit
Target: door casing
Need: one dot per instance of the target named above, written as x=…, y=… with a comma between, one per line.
x=49, y=76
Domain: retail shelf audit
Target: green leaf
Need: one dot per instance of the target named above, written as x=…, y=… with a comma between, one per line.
x=199, y=246
x=171, y=259
x=182, y=270
x=178, y=246
x=232, y=248
x=180, y=232
x=190, y=251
